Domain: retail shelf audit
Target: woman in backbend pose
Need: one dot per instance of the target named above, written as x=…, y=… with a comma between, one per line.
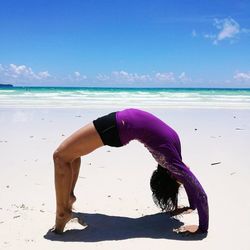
x=116, y=130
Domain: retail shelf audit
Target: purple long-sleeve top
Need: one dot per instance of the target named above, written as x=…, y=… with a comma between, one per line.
x=164, y=145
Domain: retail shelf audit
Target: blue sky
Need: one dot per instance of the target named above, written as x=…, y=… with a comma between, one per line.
x=125, y=43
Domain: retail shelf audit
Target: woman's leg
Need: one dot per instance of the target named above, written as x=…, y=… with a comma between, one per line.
x=80, y=143
x=75, y=166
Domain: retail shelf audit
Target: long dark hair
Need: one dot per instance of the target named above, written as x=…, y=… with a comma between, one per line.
x=165, y=189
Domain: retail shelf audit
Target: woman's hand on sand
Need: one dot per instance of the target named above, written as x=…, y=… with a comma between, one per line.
x=188, y=230
x=180, y=210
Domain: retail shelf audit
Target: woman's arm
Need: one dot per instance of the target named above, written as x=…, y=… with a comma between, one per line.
x=191, y=198
x=196, y=194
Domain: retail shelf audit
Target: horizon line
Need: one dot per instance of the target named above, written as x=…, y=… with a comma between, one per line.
x=121, y=87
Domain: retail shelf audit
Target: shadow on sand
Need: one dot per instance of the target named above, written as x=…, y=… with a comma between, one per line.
x=103, y=227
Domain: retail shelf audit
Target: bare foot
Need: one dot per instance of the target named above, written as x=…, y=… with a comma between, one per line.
x=61, y=221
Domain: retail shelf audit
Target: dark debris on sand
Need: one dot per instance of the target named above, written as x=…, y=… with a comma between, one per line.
x=215, y=163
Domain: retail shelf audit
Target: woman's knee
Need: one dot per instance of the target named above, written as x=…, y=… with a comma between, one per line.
x=61, y=155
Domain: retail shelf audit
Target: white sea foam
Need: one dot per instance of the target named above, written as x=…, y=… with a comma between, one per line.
x=81, y=98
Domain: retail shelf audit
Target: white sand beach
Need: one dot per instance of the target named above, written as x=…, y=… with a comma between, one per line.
x=113, y=193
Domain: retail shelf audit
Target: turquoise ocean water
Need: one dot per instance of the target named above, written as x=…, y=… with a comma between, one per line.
x=62, y=97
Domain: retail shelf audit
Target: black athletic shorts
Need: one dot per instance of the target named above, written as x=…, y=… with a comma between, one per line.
x=106, y=127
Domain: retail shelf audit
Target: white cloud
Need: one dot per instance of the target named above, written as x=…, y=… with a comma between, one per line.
x=166, y=77
x=126, y=77
x=102, y=77
x=242, y=76
x=228, y=29
x=77, y=74
x=22, y=72
x=123, y=76
x=77, y=77
x=183, y=77
x=43, y=75
x=16, y=71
